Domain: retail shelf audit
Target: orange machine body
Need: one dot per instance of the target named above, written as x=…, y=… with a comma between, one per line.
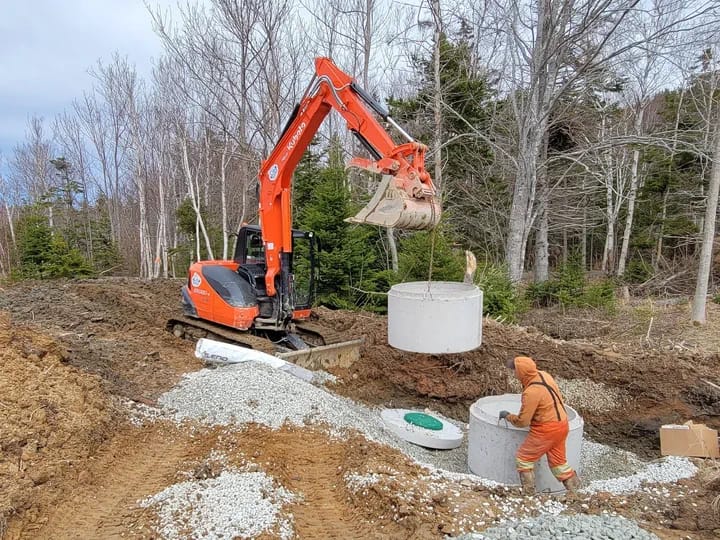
x=258, y=289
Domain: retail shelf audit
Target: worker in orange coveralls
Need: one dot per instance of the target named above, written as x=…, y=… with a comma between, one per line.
x=544, y=411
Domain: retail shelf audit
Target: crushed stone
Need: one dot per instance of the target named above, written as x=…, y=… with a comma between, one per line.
x=321, y=378
x=139, y=413
x=569, y=527
x=664, y=471
x=601, y=462
x=590, y=396
x=254, y=393
x=233, y=504
x=583, y=395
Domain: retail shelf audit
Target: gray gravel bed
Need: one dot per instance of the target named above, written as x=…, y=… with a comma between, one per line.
x=600, y=462
x=252, y=392
x=569, y=527
x=583, y=394
x=234, y=504
x=667, y=470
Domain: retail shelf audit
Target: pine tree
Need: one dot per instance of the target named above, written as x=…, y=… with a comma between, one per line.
x=348, y=258
x=44, y=254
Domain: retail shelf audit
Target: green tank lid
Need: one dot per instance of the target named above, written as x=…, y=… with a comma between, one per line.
x=423, y=420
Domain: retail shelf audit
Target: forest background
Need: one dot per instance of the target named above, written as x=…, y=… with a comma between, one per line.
x=574, y=144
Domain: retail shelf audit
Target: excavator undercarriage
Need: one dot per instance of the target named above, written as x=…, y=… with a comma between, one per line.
x=311, y=345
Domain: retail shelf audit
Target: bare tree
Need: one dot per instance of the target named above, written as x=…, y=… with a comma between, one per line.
x=31, y=170
x=701, y=287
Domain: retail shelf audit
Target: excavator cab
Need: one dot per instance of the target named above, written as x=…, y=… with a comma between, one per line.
x=250, y=256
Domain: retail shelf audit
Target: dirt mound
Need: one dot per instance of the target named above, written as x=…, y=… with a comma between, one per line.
x=665, y=386
x=52, y=416
x=114, y=328
x=102, y=501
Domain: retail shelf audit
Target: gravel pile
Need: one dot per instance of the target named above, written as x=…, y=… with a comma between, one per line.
x=575, y=527
x=234, y=504
x=583, y=395
x=252, y=392
x=666, y=470
x=600, y=462
x=589, y=396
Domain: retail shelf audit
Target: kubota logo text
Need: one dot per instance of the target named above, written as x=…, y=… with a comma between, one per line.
x=296, y=136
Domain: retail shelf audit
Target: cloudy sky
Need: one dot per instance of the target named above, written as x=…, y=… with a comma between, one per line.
x=47, y=46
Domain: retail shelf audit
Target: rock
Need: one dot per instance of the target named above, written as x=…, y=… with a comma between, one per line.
x=29, y=451
x=39, y=476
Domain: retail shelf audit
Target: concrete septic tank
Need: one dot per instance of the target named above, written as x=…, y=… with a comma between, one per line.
x=435, y=317
x=492, y=443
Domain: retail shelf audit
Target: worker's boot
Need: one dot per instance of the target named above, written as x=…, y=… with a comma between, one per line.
x=527, y=482
x=572, y=484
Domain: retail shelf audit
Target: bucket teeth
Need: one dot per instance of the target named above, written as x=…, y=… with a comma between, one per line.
x=391, y=207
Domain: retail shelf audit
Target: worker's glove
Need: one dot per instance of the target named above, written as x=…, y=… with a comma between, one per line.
x=504, y=414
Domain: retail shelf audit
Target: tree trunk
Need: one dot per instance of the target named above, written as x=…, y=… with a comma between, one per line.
x=634, y=183
x=658, y=249
x=437, y=95
x=584, y=242
x=223, y=197
x=542, y=244
x=194, y=190
x=515, y=252
x=701, y=287
x=10, y=223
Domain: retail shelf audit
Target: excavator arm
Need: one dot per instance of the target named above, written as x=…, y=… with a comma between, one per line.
x=406, y=197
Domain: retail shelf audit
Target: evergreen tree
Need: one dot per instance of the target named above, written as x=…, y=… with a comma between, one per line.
x=348, y=258
x=467, y=158
x=44, y=254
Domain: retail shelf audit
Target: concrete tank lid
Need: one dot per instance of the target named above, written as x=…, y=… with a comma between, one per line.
x=487, y=409
x=442, y=290
x=447, y=438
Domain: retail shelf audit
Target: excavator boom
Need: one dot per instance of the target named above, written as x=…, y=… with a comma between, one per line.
x=257, y=299
x=406, y=197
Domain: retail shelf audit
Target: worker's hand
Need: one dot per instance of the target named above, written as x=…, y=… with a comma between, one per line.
x=504, y=414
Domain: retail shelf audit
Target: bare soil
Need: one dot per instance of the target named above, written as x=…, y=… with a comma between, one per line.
x=72, y=467
x=666, y=386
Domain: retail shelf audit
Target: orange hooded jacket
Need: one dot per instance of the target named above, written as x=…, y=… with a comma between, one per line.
x=538, y=406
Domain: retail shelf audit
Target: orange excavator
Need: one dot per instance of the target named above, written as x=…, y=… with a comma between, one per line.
x=262, y=298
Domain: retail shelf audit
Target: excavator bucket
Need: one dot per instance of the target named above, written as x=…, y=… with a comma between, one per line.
x=340, y=355
x=392, y=207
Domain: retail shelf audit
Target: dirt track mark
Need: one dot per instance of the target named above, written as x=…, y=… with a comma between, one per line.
x=137, y=463
x=312, y=465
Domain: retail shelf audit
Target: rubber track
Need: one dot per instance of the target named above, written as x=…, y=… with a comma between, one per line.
x=328, y=335
x=244, y=339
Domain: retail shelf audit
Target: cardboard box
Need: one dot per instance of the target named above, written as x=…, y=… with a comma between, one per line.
x=689, y=439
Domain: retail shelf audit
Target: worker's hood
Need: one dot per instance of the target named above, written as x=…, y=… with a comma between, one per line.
x=525, y=369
